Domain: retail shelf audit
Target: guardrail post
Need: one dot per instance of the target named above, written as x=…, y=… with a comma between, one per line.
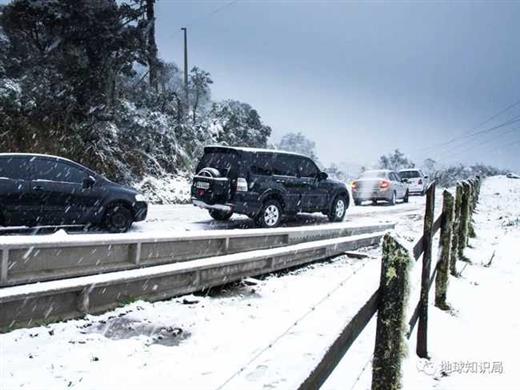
x=134, y=253
x=441, y=279
x=4, y=266
x=422, y=330
x=393, y=293
x=463, y=222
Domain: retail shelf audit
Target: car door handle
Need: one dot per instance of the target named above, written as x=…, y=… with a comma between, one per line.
x=37, y=188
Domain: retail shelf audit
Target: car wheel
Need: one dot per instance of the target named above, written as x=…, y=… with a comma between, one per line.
x=339, y=209
x=406, y=196
x=118, y=219
x=270, y=215
x=374, y=202
x=220, y=215
x=391, y=201
x=357, y=202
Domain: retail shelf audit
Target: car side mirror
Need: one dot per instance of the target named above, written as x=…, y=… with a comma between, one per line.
x=88, y=182
x=323, y=176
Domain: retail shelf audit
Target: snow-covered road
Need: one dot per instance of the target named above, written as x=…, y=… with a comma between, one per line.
x=187, y=217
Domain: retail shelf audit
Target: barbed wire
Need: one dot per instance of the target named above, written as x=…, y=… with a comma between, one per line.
x=361, y=373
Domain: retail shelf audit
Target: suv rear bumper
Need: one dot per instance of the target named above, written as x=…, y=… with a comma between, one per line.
x=243, y=203
x=204, y=205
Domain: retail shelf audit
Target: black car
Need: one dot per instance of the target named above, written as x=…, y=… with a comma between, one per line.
x=264, y=185
x=47, y=190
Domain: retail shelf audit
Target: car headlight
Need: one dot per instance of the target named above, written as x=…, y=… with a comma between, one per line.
x=140, y=198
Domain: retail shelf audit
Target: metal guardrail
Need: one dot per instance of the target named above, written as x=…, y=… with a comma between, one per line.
x=33, y=304
x=36, y=259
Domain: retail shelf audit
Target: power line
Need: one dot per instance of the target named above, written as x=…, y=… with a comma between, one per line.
x=467, y=147
x=480, y=132
x=475, y=131
x=208, y=15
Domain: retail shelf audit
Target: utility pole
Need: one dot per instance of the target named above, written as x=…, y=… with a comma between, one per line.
x=152, y=45
x=186, y=64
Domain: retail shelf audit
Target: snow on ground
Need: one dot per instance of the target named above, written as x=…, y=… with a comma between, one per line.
x=166, y=189
x=475, y=346
x=271, y=332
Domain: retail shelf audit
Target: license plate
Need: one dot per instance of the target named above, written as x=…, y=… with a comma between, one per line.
x=202, y=185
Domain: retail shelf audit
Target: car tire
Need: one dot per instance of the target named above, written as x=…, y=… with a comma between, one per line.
x=220, y=215
x=374, y=202
x=406, y=197
x=391, y=201
x=270, y=214
x=357, y=202
x=118, y=219
x=338, y=209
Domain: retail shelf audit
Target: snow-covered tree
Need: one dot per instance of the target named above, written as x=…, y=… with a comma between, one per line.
x=298, y=143
x=395, y=161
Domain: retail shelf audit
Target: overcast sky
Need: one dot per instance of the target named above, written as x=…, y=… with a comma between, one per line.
x=363, y=78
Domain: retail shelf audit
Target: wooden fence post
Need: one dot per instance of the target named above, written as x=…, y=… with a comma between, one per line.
x=455, y=232
x=422, y=330
x=471, y=201
x=463, y=222
x=393, y=293
x=441, y=279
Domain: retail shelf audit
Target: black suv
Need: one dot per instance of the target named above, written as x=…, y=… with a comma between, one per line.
x=47, y=190
x=264, y=184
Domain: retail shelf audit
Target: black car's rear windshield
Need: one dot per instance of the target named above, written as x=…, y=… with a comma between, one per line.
x=409, y=174
x=225, y=162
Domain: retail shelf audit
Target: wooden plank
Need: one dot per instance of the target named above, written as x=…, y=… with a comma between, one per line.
x=337, y=350
x=418, y=248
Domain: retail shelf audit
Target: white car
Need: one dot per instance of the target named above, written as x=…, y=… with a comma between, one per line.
x=417, y=182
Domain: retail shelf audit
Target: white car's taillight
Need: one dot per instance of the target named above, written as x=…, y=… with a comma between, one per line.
x=241, y=184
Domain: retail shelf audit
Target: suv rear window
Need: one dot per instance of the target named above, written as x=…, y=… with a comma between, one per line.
x=285, y=165
x=262, y=164
x=16, y=168
x=225, y=162
x=409, y=174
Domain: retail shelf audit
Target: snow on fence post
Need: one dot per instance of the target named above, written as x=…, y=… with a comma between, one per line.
x=463, y=222
x=422, y=330
x=393, y=294
x=456, y=230
x=441, y=279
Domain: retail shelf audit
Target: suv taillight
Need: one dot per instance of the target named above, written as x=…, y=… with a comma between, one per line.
x=419, y=182
x=241, y=184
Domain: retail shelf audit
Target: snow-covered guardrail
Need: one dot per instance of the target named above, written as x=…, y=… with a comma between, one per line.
x=42, y=258
x=35, y=303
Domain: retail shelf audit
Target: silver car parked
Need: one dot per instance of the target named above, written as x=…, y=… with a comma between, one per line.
x=380, y=184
